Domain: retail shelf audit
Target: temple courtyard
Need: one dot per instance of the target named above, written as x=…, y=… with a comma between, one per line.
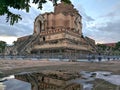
x=8, y=67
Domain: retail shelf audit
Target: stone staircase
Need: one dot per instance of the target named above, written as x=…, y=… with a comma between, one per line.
x=26, y=46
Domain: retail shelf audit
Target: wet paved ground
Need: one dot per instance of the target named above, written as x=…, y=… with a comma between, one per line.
x=9, y=67
x=88, y=77
x=14, y=84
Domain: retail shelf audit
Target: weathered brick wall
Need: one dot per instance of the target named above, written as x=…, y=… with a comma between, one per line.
x=66, y=9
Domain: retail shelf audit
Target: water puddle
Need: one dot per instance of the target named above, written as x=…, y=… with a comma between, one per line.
x=10, y=83
x=84, y=82
x=107, y=76
x=14, y=84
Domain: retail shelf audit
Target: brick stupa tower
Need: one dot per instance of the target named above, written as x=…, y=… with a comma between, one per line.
x=57, y=33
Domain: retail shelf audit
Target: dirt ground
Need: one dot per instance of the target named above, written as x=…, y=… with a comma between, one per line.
x=8, y=67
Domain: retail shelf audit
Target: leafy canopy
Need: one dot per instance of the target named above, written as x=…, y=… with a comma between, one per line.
x=114, y=50
x=2, y=46
x=117, y=46
x=20, y=5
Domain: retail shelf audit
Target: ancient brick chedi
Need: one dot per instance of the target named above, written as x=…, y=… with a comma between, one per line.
x=58, y=32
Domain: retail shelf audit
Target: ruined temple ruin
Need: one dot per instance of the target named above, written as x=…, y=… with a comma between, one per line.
x=56, y=33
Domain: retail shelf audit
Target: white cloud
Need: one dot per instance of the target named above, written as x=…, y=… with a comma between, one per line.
x=106, y=32
x=82, y=12
x=8, y=39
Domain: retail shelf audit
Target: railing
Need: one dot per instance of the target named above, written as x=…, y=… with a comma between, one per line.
x=60, y=56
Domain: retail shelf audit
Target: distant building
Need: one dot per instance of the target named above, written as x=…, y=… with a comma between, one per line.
x=58, y=32
x=109, y=44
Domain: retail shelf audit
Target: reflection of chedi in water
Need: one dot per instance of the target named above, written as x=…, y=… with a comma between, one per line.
x=51, y=80
x=62, y=80
x=58, y=32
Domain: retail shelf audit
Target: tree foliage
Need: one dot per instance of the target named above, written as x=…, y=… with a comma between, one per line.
x=102, y=46
x=2, y=46
x=108, y=49
x=117, y=46
x=20, y=5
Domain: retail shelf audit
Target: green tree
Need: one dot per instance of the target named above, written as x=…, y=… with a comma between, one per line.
x=104, y=49
x=20, y=5
x=2, y=46
x=101, y=46
x=117, y=46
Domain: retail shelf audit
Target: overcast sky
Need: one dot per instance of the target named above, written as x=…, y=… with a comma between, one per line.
x=101, y=20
